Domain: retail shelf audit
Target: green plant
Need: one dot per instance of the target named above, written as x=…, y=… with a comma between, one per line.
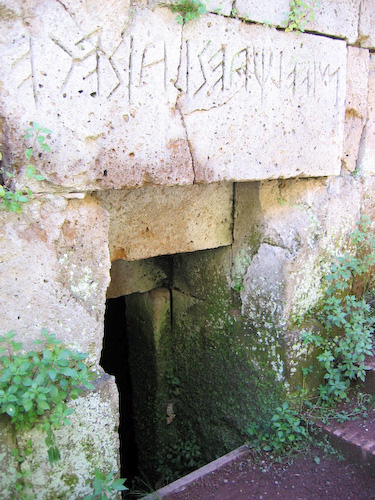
x=301, y=11
x=104, y=486
x=13, y=200
x=284, y=432
x=345, y=317
x=34, y=387
x=179, y=458
x=188, y=10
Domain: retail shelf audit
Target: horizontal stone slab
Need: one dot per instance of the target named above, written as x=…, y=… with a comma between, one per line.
x=153, y=221
x=337, y=18
x=154, y=103
x=262, y=104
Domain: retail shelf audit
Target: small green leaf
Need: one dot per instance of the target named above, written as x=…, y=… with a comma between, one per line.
x=10, y=410
x=29, y=153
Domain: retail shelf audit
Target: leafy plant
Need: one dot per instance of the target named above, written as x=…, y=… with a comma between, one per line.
x=285, y=431
x=301, y=11
x=11, y=200
x=188, y=10
x=345, y=317
x=105, y=485
x=34, y=387
x=179, y=458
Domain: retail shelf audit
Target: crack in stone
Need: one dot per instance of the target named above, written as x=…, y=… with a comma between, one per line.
x=187, y=140
x=176, y=289
x=178, y=108
x=214, y=106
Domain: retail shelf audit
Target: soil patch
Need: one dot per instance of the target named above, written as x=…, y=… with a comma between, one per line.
x=315, y=476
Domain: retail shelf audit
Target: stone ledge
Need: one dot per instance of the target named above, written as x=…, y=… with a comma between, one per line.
x=182, y=483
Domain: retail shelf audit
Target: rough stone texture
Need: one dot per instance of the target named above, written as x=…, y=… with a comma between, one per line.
x=263, y=296
x=337, y=18
x=318, y=219
x=8, y=465
x=148, y=317
x=54, y=265
x=247, y=228
x=137, y=276
x=272, y=87
x=90, y=441
x=367, y=24
x=355, y=105
x=273, y=12
x=156, y=221
x=127, y=106
x=210, y=336
x=301, y=226
x=108, y=96
x=223, y=7
x=366, y=159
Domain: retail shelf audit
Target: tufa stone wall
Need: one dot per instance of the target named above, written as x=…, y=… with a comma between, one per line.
x=224, y=135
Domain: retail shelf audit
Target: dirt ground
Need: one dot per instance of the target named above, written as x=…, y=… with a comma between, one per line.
x=315, y=476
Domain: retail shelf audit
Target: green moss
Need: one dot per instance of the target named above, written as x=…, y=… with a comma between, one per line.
x=71, y=480
x=201, y=373
x=223, y=370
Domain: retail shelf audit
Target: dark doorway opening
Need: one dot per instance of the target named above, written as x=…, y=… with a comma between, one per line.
x=115, y=361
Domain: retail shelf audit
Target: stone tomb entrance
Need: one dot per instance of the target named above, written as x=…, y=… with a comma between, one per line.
x=190, y=377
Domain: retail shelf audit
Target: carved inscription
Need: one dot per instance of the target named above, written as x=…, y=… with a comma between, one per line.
x=209, y=71
x=217, y=68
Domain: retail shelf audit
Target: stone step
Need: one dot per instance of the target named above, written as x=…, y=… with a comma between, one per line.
x=354, y=438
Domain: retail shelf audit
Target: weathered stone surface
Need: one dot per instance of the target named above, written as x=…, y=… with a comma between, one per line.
x=331, y=17
x=137, y=276
x=107, y=95
x=264, y=284
x=355, y=105
x=127, y=106
x=247, y=228
x=156, y=221
x=367, y=24
x=274, y=12
x=148, y=317
x=253, y=100
x=302, y=225
x=8, y=464
x=54, y=265
x=366, y=159
x=338, y=18
x=90, y=441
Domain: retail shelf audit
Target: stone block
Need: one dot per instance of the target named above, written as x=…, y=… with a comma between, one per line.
x=209, y=336
x=367, y=24
x=264, y=295
x=105, y=87
x=158, y=220
x=137, y=276
x=337, y=18
x=8, y=464
x=247, y=228
x=355, y=105
x=274, y=12
x=136, y=105
x=257, y=102
x=54, y=265
x=90, y=441
x=148, y=318
x=366, y=159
